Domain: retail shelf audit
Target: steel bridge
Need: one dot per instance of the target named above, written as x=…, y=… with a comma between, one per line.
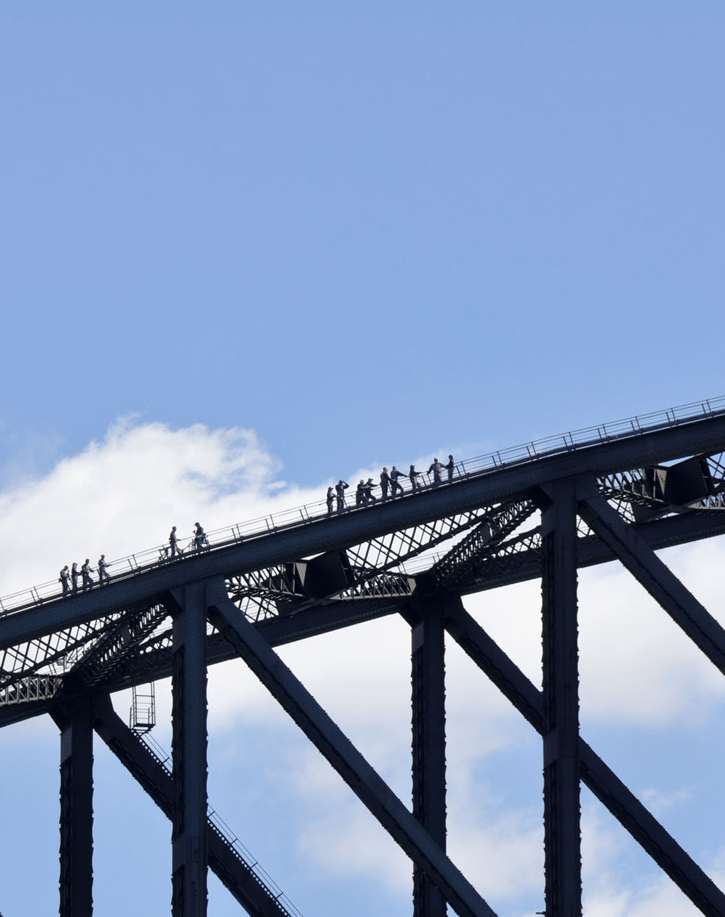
x=617, y=492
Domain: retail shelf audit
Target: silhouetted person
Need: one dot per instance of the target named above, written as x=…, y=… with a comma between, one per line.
x=74, y=574
x=395, y=484
x=65, y=580
x=103, y=574
x=360, y=494
x=413, y=476
x=200, y=538
x=86, y=571
x=436, y=469
x=330, y=499
x=384, y=483
x=368, y=489
x=173, y=542
x=450, y=468
x=340, y=489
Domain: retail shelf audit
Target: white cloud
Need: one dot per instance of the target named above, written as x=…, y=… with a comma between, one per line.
x=637, y=665
x=658, y=801
x=122, y=495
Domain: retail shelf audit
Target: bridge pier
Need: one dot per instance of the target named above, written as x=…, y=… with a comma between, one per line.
x=562, y=829
x=75, y=720
x=189, y=746
x=429, y=744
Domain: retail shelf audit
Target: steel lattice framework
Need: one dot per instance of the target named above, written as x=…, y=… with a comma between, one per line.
x=617, y=495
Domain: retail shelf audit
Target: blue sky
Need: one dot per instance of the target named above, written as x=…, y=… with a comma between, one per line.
x=246, y=249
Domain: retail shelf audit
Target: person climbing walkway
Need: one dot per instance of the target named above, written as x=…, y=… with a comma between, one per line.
x=360, y=493
x=450, y=468
x=103, y=574
x=395, y=484
x=200, y=539
x=413, y=476
x=384, y=483
x=340, y=489
x=174, y=543
x=368, y=491
x=436, y=468
x=86, y=571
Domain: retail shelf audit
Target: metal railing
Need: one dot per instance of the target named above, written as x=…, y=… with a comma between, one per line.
x=223, y=831
x=260, y=874
x=150, y=558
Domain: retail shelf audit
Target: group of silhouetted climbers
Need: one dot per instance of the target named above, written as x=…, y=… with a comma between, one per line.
x=75, y=580
x=390, y=485
x=199, y=542
x=69, y=578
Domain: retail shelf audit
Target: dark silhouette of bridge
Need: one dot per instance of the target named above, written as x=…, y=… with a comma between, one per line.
x=613, y=492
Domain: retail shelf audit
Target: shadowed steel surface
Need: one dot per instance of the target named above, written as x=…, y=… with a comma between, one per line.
x=616, y=492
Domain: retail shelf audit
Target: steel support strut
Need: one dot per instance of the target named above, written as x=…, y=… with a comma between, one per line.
x=661, y=583
x=236, y=874
x=429, y=744
x=189, y=841
x=76, y=807
x=600, y=779
x=562, y=840
x=365, y=782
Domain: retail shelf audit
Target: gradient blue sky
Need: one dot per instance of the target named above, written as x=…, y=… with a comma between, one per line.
x=365, y=233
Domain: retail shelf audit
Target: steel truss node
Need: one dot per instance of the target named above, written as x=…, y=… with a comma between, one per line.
x=613, y=497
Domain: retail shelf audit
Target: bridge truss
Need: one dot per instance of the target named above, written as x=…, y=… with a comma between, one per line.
x=543, y=516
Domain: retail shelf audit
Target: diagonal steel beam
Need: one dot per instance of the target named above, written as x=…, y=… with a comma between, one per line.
x=656, y=577
x=365, y=782
x=600, y=779
x=155, y=779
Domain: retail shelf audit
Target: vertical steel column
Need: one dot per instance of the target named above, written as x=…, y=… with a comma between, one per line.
x=562, y=840
x=189, y=741
x=429, y=744
x=76, y=808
